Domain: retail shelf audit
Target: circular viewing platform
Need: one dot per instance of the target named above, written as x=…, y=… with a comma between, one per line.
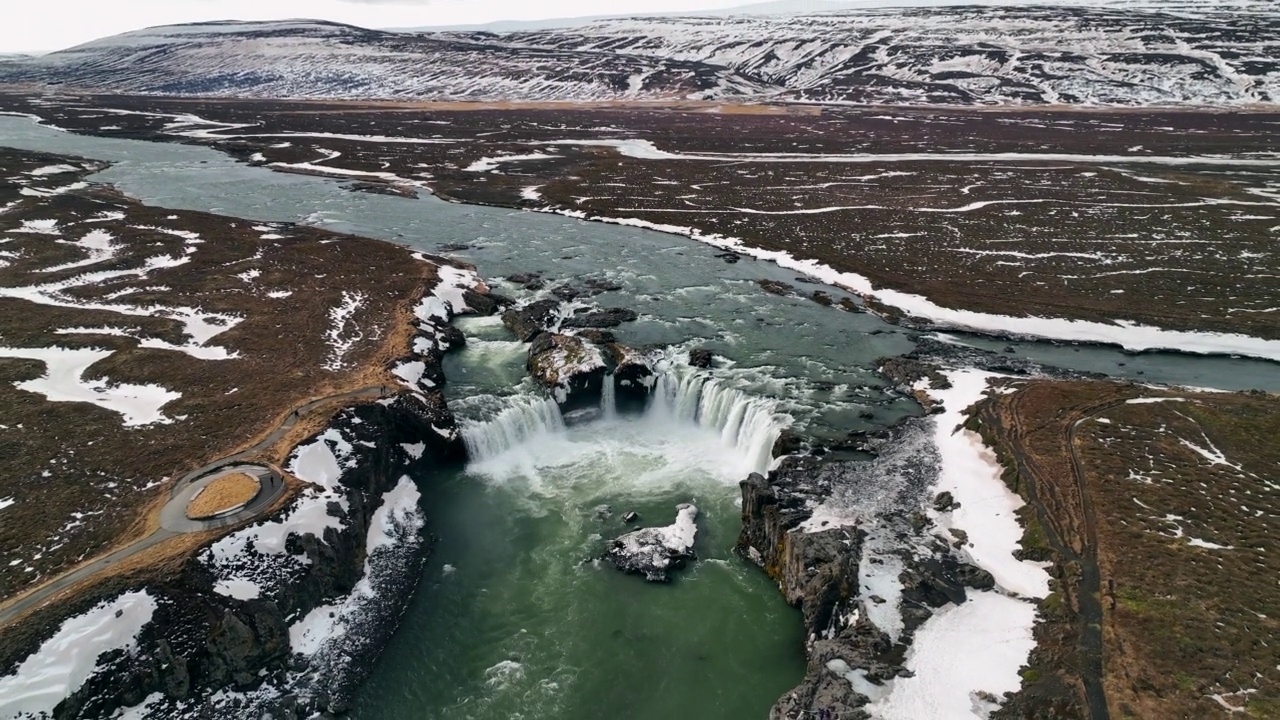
x=224, y=496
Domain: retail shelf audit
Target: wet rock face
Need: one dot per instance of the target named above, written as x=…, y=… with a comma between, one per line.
x=701, y=359
x=788, y=443
x=570, y=367
x=633, y=377
x=655, y=552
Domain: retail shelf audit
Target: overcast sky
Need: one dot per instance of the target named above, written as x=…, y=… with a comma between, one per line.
x=39, y=25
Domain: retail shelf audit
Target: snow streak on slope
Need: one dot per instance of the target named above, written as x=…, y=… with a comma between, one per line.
x=1196, y=53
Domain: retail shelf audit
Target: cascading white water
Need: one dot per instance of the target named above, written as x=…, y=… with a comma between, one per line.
x=609, y=398
x=681, y=396
x=523, y=418
x=748, y=424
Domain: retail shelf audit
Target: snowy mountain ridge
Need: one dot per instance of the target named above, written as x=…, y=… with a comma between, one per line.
x=1182, y=54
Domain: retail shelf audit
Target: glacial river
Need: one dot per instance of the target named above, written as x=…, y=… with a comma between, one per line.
x=513, y=618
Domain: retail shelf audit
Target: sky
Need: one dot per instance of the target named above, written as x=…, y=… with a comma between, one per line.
x=44, y=25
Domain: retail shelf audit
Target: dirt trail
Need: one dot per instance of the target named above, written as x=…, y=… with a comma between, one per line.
x=273, y=486
x=1065, y=512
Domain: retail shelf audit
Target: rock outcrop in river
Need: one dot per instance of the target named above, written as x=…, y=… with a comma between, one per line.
x=655, y=552
x=572, y=353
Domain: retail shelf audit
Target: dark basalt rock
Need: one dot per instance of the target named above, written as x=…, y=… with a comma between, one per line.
x=655, y=552
x=531, y=319
x=601, y=285
x=599, y=337
x=570, y=367
x=486, y=303
x=788, y=443
x=945, y=502
x=729, y=257
x=817, y=572
x=603, y=318
x=776, y=287
x=633, y=376
x=529, y=281
x=701, y=358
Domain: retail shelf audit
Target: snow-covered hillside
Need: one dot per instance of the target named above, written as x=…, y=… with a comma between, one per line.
x=1191, y=53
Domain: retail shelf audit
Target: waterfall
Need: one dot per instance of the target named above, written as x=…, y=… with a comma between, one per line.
x=523, y=418
x=609, y=398
x=749, y=424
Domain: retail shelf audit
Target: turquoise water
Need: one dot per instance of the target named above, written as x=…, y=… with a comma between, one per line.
x=516, y=619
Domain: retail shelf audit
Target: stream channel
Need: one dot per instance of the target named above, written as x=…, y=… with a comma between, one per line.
x=513, y=618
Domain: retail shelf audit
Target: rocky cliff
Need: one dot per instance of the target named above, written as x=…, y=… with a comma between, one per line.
x=283, y=617
x=826, y=569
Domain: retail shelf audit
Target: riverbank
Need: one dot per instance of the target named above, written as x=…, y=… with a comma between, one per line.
x=775, y=350
x=1156, y=508
x=937, y=188
x=153, y=341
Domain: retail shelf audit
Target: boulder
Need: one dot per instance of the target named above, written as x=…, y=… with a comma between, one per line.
x=601, y=284
x=529, y=281
x=633, y=376
x=776, y=287
x=700, y=358
x=654, y=552
x=529, y=320
x=599, y=337
x=945, y=502
x=570, y=367
x=485, y=303
x=603, y=318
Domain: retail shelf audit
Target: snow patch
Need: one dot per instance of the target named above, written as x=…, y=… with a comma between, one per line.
x=65, y=661
x=959, y=653
x=238, y=588
x=64, y=381
x=340, y=337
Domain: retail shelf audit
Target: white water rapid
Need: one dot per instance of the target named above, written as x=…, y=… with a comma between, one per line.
x=746, y=425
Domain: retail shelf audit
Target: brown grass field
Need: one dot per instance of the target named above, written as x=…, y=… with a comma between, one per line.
x=82, y=482
x=226, y=492
x=1177, y=502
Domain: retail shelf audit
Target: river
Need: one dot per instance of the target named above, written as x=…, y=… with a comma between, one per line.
x=513, y=618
